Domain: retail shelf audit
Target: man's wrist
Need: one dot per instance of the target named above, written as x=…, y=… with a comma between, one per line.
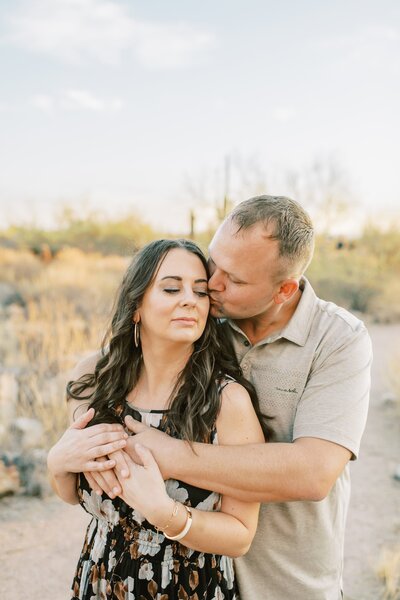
x=175, y=459
x=53, y=467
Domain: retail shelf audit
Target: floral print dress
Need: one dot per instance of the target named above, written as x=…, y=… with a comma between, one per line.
x=125, y=558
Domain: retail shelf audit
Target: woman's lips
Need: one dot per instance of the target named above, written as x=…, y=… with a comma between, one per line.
x=185, y=321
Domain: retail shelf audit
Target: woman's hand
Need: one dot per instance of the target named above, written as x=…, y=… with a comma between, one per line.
x=76, y=451
x=144, y=489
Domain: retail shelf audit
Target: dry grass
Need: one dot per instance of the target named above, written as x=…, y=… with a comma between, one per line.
x=389, y=572
x=67, y=305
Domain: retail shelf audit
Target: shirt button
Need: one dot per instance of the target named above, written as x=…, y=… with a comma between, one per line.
x=246, y=343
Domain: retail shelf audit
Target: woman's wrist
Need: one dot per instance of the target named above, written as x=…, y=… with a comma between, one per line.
x=162, y=513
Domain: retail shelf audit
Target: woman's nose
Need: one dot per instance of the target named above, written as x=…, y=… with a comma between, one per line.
x=189, y=298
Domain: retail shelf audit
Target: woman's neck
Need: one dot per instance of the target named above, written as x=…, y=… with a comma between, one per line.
x=161, y=367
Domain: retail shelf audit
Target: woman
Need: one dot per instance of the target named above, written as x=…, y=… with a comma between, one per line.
x=165, y=365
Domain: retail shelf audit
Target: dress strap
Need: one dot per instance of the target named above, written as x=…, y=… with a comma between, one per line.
x=224, y=382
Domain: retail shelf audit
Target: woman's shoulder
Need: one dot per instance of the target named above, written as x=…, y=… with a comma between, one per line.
x=237, y=421
x=85, y=366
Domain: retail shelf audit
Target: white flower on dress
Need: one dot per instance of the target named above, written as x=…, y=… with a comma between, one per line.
x=208, y=503
x=219, y=595
x=176, y=492
x=103, y=510
x=201, y=561
x=137, y=516
x=148, y=543
x=99, y=542
x=128, y=584
x=100, y=589
x=106, y=515
x=86, y=566
x=226, y=566
x=146, y=571
x=152, y=419
x=112, y=561
x=167, y=567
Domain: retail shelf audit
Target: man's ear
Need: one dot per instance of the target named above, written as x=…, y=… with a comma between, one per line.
x=287, y=290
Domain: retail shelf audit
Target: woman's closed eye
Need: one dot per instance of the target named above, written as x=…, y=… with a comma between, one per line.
x=201, y=293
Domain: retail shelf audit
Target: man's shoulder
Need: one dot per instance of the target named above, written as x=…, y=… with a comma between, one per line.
x=335, y=329
x=337, y=316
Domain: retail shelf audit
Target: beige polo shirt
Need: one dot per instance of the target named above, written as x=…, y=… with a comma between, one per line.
x=314, y=378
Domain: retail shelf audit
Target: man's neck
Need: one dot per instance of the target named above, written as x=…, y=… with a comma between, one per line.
x=271, y=322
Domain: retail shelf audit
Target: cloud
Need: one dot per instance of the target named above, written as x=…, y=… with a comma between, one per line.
x=75, y=100
x=78, y=31
x=283, y=113
x=43, y=102
x=373, y=46
x=81, y=100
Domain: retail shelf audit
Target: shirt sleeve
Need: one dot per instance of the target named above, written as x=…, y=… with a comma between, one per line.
x=334, y=404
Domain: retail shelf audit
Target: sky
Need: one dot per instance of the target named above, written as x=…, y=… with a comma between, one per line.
x=158, y=107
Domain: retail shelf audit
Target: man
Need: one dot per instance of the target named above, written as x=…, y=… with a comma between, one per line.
x=309, y=361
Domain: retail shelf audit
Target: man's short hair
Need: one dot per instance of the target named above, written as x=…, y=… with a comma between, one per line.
x=292, y=228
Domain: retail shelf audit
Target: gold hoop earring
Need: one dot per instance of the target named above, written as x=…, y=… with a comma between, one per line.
x=136, y=335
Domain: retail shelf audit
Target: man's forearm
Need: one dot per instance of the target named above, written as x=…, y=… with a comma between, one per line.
x=275, y=472
x=271, y=472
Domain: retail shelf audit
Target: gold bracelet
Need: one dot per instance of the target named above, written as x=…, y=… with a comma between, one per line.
x=173, y=514
x=186, y=527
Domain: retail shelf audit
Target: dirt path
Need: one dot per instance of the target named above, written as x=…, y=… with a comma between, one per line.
x=374, y=515
x=40, y=539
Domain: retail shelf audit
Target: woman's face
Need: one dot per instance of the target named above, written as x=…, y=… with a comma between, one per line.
x=175, y=307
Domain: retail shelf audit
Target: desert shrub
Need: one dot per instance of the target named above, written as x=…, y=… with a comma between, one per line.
x=389, y=572
x=66, y=309
x=361, y=275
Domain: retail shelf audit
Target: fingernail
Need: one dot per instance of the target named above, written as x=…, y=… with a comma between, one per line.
x=98, y=492
x=124, y=473
x=116, y=490
x=122, y=443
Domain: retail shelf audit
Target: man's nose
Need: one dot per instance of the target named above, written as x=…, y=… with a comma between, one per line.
x=216, y=282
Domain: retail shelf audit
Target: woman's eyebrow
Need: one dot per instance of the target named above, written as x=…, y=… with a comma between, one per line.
x=177, y=278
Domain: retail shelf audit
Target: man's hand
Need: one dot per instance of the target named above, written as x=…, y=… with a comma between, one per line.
x=162, y=446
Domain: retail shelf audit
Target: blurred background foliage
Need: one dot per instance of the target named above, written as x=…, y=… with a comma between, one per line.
x=57, y=287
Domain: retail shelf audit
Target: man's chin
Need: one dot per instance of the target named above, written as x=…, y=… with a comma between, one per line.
x=216, y=310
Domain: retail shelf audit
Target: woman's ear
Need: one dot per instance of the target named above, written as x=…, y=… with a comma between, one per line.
x=136, y=316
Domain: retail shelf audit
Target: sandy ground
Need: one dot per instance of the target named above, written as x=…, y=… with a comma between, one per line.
x=40, y=539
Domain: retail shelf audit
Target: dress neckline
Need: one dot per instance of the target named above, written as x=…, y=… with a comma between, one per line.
x=148, y=410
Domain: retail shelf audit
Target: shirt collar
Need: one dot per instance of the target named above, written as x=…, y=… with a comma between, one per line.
x=298, y=328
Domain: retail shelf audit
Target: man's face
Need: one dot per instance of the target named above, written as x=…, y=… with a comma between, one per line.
x=243, y=272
